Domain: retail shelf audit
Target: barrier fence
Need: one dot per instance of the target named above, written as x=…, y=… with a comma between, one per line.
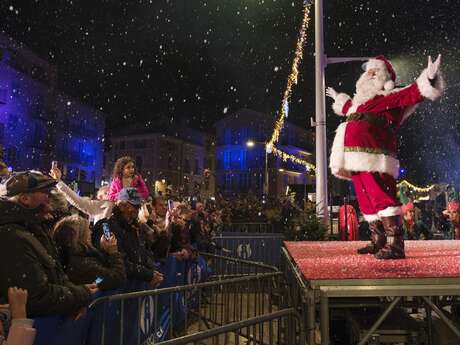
x=252, y=228
x=209, y=296
x=260, y=242
x=154, y=316
x=280, y=327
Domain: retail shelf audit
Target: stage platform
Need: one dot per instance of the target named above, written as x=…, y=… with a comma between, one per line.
x=339, y=260
x=324, y=272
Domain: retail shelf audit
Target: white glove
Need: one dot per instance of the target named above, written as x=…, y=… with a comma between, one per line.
x=330, y=92
x=433, y=67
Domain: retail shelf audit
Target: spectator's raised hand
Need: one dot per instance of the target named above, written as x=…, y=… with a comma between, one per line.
x=157, y=279
x=110, y=246
x=17, y=298
x=93, y=289
x=56, y=173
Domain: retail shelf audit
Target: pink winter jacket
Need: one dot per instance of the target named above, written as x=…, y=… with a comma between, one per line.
x=138, y=182
x=21, y=333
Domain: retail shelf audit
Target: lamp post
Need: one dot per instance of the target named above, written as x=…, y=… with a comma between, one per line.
x=251, y=144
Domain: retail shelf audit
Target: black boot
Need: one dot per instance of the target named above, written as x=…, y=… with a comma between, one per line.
x=378, y=238
x=394, y=247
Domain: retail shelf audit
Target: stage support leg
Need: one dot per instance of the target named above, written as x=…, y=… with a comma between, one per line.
x=311, y=317
x=324, y=314
x=442, y=316
x=429, y=323
x=380, y=320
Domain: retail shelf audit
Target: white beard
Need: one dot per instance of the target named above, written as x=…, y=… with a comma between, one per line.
x=368, y=87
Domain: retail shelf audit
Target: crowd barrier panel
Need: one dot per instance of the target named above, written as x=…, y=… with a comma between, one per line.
x=154, y=316
x=262, y=228
x=56, y=330
x=260, y=247
x=136, y=314
x=283, y=327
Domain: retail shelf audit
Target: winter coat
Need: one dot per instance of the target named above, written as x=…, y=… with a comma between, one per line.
x=95, y=209
x=21, y=332
x=138, y=182
x=84, y=265
x=367, y=140
x=30, y=261
x=139, y=262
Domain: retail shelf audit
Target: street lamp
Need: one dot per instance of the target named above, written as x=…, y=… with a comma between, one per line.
x=251, y=144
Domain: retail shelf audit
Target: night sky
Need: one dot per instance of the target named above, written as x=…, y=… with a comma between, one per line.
x=155, y=61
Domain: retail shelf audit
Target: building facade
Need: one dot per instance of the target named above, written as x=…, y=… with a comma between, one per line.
x=39, y=124
x=242, y=163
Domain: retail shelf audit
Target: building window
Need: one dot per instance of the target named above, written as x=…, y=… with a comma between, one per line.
x=197, y=167
x=12, y=122
x=3, y=95
x=228, y=136
x=11, y=155
x=187, y=167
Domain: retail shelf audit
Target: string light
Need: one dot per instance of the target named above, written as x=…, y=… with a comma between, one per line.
x=416, y=188
x=285, y=156
x=292, y=80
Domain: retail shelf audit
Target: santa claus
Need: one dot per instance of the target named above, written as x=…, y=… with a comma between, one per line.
x=364, y=148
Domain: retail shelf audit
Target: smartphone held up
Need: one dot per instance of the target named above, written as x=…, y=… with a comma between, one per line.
x=106, y=230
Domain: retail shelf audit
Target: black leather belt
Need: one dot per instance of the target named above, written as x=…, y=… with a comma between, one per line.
x=368, y=117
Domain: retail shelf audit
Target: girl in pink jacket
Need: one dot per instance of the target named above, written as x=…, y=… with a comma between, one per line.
x=124, y=175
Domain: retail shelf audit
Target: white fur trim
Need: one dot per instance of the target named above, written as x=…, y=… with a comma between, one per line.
x=354, y=107
x=337, y=160
x=390, y=211
x=389, y=85
x=428, y=91
x=375, y=63
x=364, y=161
x=339, y=102
x=371, y=217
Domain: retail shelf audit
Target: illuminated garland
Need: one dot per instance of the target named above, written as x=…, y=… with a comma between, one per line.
x=292, y=80
x=285, y=156
x=417, y=189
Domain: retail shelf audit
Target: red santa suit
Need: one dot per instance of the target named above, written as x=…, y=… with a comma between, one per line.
x=365, y=146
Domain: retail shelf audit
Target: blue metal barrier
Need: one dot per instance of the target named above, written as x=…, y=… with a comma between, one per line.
x=260, y=247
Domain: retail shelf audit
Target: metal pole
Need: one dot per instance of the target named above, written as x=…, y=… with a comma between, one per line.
x=266, y=172
x=321, y=144
x=324, y=318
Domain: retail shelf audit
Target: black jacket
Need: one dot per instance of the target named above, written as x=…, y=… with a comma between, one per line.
x=28, y=259
x=139, y=261
x=84, y=265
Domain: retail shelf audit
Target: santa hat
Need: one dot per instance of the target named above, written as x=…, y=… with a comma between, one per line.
x=381, y=62
x=453, y=206
x=407, y=207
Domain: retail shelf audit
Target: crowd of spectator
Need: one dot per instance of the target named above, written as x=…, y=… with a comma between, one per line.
x=61, y=250
x=58, y=250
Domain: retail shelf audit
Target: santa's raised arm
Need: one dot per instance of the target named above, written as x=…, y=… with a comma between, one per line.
x=365, y=145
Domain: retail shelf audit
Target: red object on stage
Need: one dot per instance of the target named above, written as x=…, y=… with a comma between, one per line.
x=339, y=260
x=348, y=220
